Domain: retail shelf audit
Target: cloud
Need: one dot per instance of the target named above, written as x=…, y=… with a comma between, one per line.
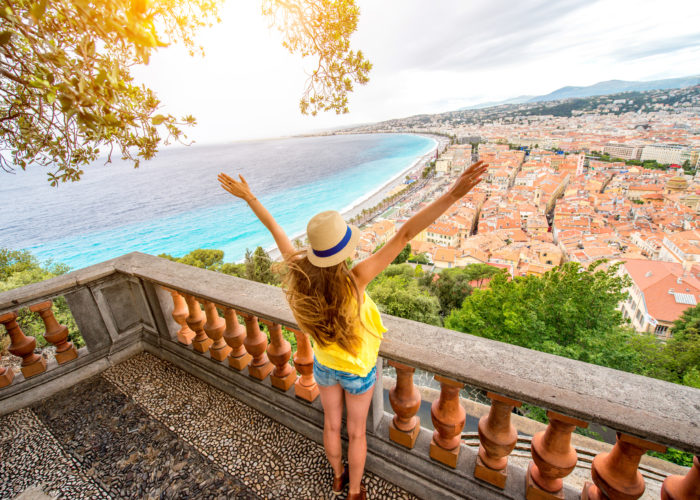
x=458, y=36
x=657, y=47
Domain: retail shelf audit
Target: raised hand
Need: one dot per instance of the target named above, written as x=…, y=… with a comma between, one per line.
x=469, y=178
x=236, y=188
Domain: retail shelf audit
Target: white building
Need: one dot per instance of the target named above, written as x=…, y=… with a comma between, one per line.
x=623, y=151
x=666, y=153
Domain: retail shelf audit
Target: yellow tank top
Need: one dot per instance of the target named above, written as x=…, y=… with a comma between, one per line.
x=336, y=358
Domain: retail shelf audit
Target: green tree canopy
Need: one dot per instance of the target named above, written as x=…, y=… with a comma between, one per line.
x=451, y=286
x=258, y=267
x=209, y=259
x=66, y=90
x=421, y=258
x=570, y=311
x=678, y=359
x=19, y=268
x=396, y=292
x=403, y=255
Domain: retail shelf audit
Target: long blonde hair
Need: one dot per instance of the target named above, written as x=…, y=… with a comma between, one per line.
x=325, y=302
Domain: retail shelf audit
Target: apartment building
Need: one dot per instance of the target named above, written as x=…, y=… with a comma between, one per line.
x=666, y=153
x=623, y=151
x=659, y=294
x=682, y=247
x=443, y=234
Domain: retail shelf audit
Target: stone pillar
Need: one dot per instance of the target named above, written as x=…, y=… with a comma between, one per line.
x=234, y=336
x=448, y=418
x=23, y=346
x=214, y=328
x=179, y=314
x=195, y=320
x=553, y=458
x=615, y=474
x=256, y=344
x=55, y=333
x=305, y=386
x=6, y=376
x=683, y=487
x=497, y=437
x=279, y=352
x=405, y=400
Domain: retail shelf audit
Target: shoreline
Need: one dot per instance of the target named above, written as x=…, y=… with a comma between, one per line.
x=371, y=198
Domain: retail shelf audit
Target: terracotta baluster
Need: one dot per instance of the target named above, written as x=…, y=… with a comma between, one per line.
x=553, y=457
x=683, y=487
x=55, y=333
x=448, y=418
x=256, y=344
x=497, y=438
x=615, y=474
x=234, y=336
x=23, y=346
x=405, y=400
x=195, y=320
x=214, y=328
x=6, y=376
x=279, y=352
x=305, y=386
x=179, y=314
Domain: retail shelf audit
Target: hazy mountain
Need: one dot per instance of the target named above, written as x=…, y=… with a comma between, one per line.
x=616, y=86
x=513, y=100
x=600, y=88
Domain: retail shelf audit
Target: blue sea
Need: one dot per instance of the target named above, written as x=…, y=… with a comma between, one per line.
x=173, y=203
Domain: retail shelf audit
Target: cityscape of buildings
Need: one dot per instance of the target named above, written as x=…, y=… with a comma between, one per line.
x=570, y=188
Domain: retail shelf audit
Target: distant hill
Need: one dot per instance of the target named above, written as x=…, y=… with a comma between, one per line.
x=514, y=100
x=600, y=88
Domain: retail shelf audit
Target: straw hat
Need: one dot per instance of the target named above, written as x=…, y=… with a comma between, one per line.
x=331, y=239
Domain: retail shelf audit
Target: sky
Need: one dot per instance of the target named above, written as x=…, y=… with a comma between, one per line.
x=428, y=57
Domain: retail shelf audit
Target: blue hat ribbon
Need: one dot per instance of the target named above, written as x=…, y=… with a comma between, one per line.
x=337, y=248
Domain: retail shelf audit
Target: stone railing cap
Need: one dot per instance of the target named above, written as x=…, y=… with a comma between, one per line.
x=648, y=408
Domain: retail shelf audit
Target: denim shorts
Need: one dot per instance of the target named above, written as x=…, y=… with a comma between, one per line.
x=352, y=383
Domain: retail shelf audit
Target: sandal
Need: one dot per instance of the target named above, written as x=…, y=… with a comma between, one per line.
x=362, y=495
x=339, y=483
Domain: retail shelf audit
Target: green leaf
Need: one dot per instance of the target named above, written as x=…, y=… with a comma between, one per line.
x=158, y=119
x=38, y=9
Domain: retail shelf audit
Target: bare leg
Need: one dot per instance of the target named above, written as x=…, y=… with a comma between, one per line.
x=332, y=401
x=357, y=410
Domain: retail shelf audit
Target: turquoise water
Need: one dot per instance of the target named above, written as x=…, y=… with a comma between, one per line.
x=173, y=204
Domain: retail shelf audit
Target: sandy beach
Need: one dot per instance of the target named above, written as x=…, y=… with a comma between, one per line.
x=376, y=197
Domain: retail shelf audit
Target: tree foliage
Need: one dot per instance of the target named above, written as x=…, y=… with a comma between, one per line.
x=421, y=258
x=258, y=267
x=677, y=359
x=66, y=90
x=19, y=268
x=570, y=311
x=452, y=286
x=403, y=255
x=322, y=29
x=396, y=292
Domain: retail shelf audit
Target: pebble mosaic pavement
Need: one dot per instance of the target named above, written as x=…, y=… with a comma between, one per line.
x=146, y=429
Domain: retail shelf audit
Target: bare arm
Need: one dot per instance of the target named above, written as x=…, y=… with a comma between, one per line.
x=368, y=269
x=241, y=190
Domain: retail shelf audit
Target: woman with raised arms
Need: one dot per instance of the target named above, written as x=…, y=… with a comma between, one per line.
x=330, y=304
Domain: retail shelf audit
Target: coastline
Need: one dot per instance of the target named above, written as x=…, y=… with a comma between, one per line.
x=372, y=198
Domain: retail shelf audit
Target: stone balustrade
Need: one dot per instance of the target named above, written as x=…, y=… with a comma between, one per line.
x=142, y=303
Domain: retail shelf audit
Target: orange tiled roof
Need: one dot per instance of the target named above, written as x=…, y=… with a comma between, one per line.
x=659, y=281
